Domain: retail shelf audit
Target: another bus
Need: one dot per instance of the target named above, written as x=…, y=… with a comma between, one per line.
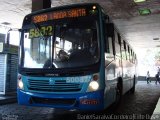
x=73, y=57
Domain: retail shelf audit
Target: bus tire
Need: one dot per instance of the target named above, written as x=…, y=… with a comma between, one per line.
x=119, y=92
x=134, y=85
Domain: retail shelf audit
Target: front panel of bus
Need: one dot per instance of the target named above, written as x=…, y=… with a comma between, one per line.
x=60, y=59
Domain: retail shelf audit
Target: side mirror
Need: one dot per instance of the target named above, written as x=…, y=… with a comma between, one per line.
x=20, y=30
x=8, y=37
x=109, y=29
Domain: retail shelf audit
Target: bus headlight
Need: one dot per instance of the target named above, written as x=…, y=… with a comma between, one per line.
x=93, y=85
x=20, y=83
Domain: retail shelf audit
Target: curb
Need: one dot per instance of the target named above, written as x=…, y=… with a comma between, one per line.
x=156, y=112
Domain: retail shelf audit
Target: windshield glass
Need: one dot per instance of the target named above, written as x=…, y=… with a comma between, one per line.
x=62, y=44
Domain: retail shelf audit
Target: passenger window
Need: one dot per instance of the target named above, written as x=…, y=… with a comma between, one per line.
x=119, y=39
x=128, y=54
x=110, y=43
x=124, y=53
x=117, y=45
x=131, y=52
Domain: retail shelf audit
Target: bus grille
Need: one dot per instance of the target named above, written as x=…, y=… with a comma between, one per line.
x=53, y=101
x=53, y=86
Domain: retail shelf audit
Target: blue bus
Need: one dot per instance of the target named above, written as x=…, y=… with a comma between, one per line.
x=73, y=57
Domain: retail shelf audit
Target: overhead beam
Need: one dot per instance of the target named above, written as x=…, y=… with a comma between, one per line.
x=40, y=4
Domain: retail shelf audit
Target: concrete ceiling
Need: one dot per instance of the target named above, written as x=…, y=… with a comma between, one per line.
x=138, y=30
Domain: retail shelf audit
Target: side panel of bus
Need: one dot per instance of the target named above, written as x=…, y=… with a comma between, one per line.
x=119, y=68
x=113, y=68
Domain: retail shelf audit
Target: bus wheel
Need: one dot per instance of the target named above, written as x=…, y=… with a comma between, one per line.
x=118, y=94
x=133, y=88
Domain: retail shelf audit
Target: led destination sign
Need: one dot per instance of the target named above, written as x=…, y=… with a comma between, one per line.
x=72, y=13
x=43, y=31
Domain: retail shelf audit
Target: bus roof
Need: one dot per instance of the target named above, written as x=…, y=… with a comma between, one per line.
x=63, y=7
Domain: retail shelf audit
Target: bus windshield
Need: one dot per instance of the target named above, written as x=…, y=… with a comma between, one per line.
x=61, y=44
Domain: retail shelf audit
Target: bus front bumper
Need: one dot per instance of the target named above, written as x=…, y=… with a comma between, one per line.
x=81, y=101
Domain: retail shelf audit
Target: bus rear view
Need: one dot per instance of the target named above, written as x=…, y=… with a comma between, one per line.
x=60, y=61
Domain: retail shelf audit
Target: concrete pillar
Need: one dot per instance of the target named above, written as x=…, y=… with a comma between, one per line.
x=40, y=4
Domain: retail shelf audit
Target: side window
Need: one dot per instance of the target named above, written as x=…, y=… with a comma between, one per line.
x=131, y=55
x=135, y=59
x=119, y=39
x=110, y=38
x=124, y=53
x=123, y=50
x=110, y=45
x=117, y=45
x=128, y=54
